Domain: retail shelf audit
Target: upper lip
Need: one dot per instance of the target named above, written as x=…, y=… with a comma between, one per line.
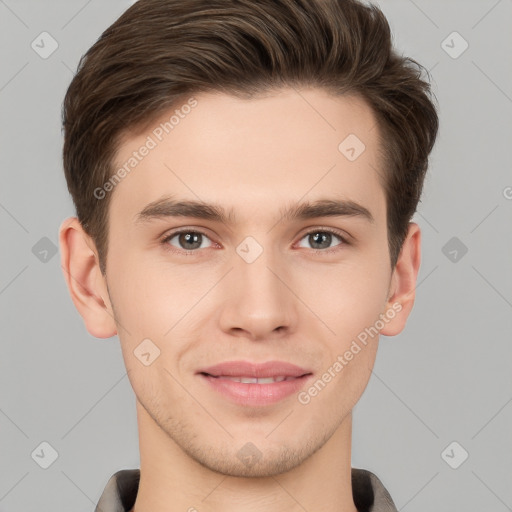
x=257, y=370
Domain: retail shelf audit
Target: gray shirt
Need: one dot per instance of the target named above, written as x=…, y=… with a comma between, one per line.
x=368, y=492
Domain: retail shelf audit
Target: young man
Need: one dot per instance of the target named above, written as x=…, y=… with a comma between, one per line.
x=244, y=175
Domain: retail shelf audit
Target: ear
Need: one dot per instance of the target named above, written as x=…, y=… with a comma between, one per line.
x=87, y=286
x=402, y=289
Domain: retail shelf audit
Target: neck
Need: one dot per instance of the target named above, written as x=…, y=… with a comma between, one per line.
x=172, y=480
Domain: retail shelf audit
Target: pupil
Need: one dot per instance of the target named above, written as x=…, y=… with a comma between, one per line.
x=190, y=238
x=323, y=236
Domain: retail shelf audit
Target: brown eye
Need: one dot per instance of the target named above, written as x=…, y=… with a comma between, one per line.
x=187, y=240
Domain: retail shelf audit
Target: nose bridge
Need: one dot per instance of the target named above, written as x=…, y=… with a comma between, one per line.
x=257, y=300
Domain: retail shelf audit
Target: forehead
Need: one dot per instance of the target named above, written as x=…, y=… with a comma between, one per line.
x=253, y=155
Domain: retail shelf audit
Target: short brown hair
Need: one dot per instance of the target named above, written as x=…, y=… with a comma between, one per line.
x=159, y=51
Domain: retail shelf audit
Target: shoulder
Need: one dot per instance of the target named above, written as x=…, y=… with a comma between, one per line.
x=369, y=492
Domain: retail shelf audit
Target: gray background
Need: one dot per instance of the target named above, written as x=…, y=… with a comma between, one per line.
x=446, y=378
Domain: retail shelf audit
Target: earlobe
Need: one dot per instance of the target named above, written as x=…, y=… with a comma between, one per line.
x=86, y=284
x=403, y=283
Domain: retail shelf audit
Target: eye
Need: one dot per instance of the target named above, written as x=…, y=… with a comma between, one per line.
x=322, y=238
x=187, y=240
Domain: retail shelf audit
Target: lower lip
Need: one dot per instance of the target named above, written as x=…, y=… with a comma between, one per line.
x=256, y=394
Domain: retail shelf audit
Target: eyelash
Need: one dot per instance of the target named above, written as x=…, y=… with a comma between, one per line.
x=170, y=236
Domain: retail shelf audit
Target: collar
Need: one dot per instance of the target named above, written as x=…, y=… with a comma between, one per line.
x=368, y=492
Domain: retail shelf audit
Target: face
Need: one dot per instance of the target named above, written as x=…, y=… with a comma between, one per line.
x=258, y=281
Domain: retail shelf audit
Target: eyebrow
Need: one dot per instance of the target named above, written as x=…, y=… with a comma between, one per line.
x=168, y=207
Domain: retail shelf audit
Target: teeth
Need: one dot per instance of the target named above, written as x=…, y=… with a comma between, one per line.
x=254, y=380
x=248, y=380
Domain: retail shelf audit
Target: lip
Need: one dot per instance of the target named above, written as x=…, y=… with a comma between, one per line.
x=253, y=394
x=257, y=370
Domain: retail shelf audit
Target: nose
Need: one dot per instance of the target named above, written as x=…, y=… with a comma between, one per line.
x=258, y=300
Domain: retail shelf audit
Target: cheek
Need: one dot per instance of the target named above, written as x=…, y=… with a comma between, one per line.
x=347, y=297
x=154, y=299
x=138, y=291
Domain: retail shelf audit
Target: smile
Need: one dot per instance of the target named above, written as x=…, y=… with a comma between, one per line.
x=254, y=380
x=254, y=391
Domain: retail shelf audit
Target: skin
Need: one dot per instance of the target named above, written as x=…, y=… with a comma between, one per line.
x=293, y=303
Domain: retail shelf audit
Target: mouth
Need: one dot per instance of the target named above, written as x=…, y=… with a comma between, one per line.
x=254, y=380
x=255, y=385
x=249, y=370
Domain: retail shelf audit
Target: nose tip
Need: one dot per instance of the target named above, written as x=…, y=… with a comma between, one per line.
x=259, y=305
